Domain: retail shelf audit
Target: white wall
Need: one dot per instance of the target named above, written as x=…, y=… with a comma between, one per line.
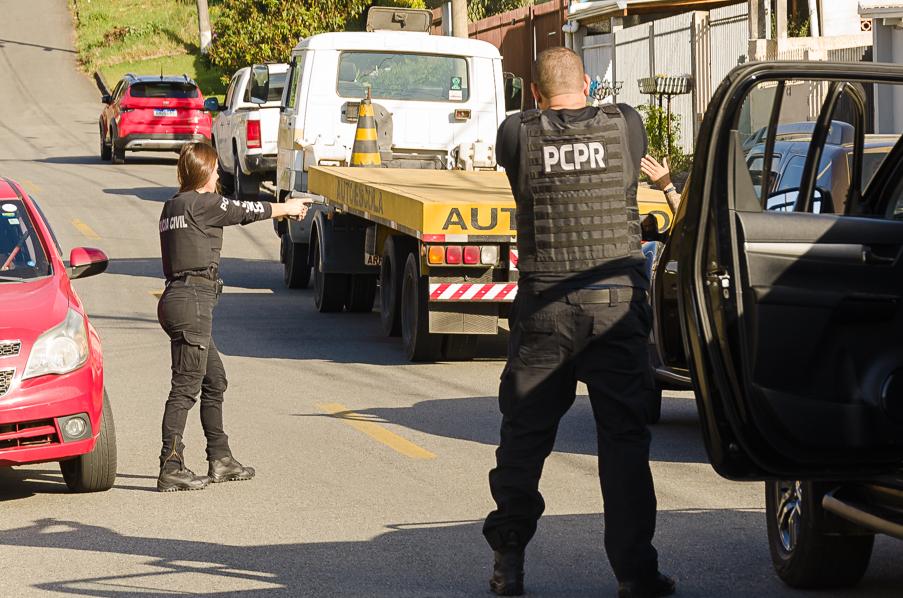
x=840, y=17
x=888, y=47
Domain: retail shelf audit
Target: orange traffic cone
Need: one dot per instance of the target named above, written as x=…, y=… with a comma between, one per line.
x=365, y=151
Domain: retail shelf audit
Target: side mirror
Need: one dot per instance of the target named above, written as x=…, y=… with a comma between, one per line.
x=87, y=261
x=212, y=105
x=106, y=98
x=260, y=84
x=514, y=93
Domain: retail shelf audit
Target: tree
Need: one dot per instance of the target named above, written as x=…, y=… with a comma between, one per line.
x=206, y=35
x=254, y=31
x=480, y=9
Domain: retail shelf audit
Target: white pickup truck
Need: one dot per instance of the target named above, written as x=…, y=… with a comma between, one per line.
x=246, y=128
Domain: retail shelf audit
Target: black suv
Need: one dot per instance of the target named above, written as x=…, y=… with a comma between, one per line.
x=788, y=317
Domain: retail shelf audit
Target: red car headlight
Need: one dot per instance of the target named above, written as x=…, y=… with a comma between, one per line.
x=61, y=349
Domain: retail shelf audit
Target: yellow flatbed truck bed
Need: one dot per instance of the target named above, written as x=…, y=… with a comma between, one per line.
x=440, y=245
x=438, y=202
x=421, y=202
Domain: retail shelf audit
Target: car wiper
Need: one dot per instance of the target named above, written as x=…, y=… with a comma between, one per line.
x=12, y=279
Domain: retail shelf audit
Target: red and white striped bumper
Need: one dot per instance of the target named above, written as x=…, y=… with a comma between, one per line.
x=501, y=291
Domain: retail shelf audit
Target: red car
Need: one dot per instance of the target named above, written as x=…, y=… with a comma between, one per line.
x=52, y=401
x=149, y=113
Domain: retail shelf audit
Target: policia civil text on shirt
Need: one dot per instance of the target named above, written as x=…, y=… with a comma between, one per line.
x=191, y=238
x=581, y=314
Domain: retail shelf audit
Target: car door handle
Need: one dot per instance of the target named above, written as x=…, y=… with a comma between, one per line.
x=874, y=259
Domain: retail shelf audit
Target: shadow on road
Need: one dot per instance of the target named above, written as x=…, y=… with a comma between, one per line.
x=676, y=439
x=16, y=484
x=130, y=159
x=433, y=558
x=159, y=193
x=244, y=326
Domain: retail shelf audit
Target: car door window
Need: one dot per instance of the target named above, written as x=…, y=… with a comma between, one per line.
x=792, y=138
x=231, y=91
x=290, y=95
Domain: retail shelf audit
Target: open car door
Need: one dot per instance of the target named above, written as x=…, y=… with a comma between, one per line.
x=790, y=288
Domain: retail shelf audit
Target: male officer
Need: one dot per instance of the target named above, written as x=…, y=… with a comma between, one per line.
x=580, y=314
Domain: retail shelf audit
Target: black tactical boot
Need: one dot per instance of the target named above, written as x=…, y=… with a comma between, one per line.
x=658, y=585
x=228, y=469
x=174, y=476
x=508, y=569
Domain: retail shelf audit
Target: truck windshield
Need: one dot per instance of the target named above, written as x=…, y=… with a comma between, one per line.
x=395, y=76
x=21, y=253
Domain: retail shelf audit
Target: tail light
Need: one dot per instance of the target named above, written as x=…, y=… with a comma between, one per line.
x=453, y=254
x=253, y=133
x=468, y=255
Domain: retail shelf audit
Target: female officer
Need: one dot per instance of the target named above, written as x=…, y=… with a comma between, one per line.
x=191, y=237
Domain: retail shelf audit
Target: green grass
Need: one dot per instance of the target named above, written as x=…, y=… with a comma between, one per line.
x=141, y=36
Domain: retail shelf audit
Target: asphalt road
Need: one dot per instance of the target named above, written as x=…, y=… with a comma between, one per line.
x=372, y=471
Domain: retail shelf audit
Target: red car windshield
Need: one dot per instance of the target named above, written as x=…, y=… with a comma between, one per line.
x=163, y=89
x=21, y=253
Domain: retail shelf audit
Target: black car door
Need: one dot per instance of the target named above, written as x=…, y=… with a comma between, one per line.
x=792, y=318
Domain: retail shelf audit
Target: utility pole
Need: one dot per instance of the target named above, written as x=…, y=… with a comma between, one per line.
x=459, y=18
x=204, y=25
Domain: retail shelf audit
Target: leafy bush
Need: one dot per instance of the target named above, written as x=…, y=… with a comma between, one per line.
x=660, y=134
x=254, y=31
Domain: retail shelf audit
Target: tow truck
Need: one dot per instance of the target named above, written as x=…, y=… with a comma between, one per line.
x=433, y=230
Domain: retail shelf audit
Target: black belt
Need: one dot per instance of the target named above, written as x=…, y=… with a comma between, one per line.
x=197, y=279
x=611, y=295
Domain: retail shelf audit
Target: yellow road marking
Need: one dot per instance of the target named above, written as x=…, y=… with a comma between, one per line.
x=33, y=188
x=375, y=431
x=85, y=229
x=156, y=294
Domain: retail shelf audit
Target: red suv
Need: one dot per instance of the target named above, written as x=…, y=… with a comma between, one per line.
x=52, y=403
x=147, y=113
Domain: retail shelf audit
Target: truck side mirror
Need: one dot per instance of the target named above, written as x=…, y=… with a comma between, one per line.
x=514, y=93
x=212, y=105
x=260, y=84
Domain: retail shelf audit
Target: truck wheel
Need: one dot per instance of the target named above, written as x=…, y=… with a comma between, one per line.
x=95, y=471
x=390, y=279
x=460, y=347
x=117, y=147
x=330, y=290
x=247, y=186
x=361, y=293
x=106, y=151
x=803, y=554
x=295, y=268
x=419, y=344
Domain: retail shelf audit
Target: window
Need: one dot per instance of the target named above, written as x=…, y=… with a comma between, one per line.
x=797, y=115
x=277, y=84
x=231, y=90
x=163, y=89
x=394, y=76
x=21, y=253
x=294, y=81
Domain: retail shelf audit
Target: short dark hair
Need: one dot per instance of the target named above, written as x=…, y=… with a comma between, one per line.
x=558, y=71
x=197, y=161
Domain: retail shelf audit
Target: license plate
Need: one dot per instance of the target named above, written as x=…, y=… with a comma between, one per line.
x=165, y=112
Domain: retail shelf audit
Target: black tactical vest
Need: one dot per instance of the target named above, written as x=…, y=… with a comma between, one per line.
x=576, y=193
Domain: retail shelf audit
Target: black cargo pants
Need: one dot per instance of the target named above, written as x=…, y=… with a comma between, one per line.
x=185, y=312
x=600, y=337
